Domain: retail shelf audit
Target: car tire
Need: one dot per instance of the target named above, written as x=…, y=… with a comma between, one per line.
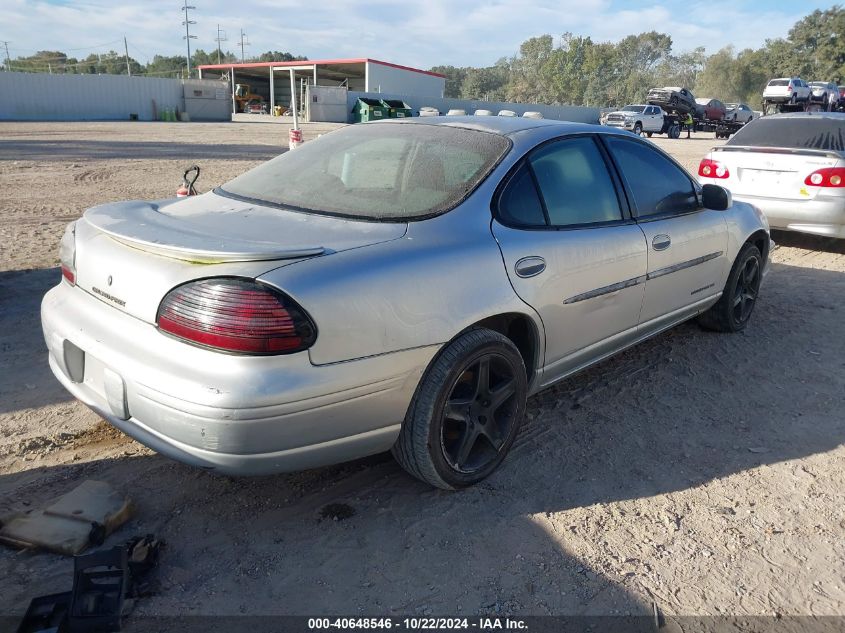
x=455, y=433
x=638, y=129
x=794, y=99
x=733, y=310
x=648, y=134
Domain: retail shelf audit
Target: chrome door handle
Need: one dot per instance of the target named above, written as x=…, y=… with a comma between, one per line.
x=530, y=266
x=661, y=242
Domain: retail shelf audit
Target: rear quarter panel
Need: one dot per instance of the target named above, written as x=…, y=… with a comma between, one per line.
x=443, y=276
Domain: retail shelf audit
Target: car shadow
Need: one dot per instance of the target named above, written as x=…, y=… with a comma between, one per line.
x=100, y=150
x=26, y=381
x=681, y=411
x=809, y=242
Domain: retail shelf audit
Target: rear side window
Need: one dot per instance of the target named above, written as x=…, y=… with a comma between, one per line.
x=519, y=204
x=574, y=183
x=826, y=132
x=659, y=186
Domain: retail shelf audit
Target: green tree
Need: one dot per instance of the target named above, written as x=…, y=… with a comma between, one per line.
x=818, y=43
x=278, y=56
x=454, y=79
x=527, y=84
x=484, y=83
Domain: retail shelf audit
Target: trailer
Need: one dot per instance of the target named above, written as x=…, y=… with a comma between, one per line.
x=673, y=122
x=776, y=107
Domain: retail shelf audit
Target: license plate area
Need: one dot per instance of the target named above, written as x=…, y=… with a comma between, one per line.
x=764, y=176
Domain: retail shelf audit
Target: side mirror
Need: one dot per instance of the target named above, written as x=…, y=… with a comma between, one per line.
x=716, y=197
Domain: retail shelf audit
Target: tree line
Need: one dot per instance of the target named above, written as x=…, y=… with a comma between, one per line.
x=574, y=70
x=114, y=63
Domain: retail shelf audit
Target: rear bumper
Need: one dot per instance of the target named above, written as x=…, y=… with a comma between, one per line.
x=820, y=216
x=236, y=414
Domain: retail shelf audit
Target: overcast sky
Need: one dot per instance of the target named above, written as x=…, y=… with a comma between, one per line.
x=420, y=33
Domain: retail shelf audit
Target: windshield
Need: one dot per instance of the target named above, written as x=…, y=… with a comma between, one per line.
x=637, y=109
x=806, y=132
x=376, y=171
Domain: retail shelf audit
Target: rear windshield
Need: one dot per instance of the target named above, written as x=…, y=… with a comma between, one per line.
x=779, y=82
x=810, y=132
x=376, y=171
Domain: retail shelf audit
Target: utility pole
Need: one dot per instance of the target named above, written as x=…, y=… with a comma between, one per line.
x=126, y=51
x=243, y=35
x=187, y=22
x=221, y=37
x=8, y=59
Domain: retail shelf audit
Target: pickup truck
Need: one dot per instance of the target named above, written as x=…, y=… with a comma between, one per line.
x=638, y=119
x=673, y=99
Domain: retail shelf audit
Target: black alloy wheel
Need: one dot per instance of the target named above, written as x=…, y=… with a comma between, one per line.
x=479, y=413
x=732, y=311
x=746, y=290
x=466, y=411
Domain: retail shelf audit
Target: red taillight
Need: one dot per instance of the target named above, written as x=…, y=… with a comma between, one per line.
x=712, y=169
x=67, y=273
x=789, y=88
x=236, y=315
x=827, y=177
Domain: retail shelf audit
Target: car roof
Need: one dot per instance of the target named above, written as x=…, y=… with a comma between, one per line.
x=503, y=125
x=837, y=116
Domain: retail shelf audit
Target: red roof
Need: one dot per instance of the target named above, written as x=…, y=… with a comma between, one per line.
x=318, y=62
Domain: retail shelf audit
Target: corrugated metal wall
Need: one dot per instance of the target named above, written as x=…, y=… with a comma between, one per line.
x=43, y=97
x=558, y=113
x=381, y=78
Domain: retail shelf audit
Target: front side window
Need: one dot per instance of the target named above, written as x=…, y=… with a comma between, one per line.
x=659, y=186
x=376, y=171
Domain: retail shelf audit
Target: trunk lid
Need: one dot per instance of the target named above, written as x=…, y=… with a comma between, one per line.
x=772, y=172
x=130, y=254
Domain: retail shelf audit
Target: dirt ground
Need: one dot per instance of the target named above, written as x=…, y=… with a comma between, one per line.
x=702, y=472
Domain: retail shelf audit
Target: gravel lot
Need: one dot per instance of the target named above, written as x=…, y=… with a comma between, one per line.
x=702, y=472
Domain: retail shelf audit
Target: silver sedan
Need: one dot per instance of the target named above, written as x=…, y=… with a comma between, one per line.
x=399, y=285
x=791, y=166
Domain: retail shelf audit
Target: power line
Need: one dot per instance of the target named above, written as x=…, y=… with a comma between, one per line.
x=81, y=48
x=243, y=35
x=188, y=37
x=126, y=50
x=221, y=37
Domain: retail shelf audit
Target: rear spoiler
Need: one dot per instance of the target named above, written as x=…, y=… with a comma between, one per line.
x=780, y=150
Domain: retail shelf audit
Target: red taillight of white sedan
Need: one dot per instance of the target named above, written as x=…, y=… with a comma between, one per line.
x=236, y=315
x=827, y=177
x=712, y=169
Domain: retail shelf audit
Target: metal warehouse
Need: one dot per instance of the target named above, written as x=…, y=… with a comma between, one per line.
x=272, y=81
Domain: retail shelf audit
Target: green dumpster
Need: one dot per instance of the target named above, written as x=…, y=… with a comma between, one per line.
x=397, y=109
x=369, y=110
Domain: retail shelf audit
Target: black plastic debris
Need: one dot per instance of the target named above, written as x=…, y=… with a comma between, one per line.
x=100, y=585
x=47, y=614
x=104, y=584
